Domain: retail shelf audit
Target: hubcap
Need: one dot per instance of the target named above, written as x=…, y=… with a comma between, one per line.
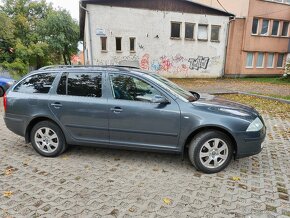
x=46, y=140
x=214, y=153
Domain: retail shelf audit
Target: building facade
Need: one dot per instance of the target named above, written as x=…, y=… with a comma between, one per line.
x=176, y=38
x=259, y=36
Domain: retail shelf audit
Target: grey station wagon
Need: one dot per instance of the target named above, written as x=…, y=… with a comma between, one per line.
x=122, y=107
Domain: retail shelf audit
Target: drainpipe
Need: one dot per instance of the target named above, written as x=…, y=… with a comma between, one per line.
x=227, y=40
x=90, y=32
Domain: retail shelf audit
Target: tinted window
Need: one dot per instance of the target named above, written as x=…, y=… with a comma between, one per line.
x=189, y=28
x=131, y=88
x=81, y=84
x=255, y=26
x=40, y=83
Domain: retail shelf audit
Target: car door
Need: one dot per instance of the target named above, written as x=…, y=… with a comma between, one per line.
x=80, y=106
x=135, y=121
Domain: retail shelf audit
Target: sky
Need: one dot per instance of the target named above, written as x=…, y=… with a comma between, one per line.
x=71, y=5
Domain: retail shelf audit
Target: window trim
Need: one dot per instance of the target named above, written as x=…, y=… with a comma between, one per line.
x=267, y=33
x=193, y=37
x=253, y=57
x=287, y=34
x=273, y=61
x=263, y=62
x=204, y=40
x=278, y=30
x=180, y=30
x=258, y=27
x=278, y=60
x=219, y=28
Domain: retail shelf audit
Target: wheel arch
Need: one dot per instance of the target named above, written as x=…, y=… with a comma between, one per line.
x=209, y=128
x=33, y=122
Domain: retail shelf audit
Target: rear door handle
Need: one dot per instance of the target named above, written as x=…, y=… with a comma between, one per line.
x=56, y=105
x=116, y=109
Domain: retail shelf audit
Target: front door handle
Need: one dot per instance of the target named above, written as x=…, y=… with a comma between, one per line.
x=56, y=105
x=116, y=109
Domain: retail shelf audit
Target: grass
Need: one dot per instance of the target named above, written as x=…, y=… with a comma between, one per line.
x=272, y=80
x=287, y=97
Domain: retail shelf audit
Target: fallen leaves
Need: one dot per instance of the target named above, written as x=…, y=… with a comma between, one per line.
x=9, y=171
x=167, y=201
x=235, y=178
x=7, y=194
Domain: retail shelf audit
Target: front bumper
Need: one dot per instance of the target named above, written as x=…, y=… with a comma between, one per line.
x=249, y=143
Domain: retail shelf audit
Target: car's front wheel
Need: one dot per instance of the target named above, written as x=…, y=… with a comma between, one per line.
x=47, y=139
x=210, y=151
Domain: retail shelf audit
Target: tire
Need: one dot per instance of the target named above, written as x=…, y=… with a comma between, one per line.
x=47, y=139
x=210, y=151
x=1, y=92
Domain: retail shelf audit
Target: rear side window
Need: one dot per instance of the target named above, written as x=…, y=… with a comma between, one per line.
x=39, y=83
x=81, y=84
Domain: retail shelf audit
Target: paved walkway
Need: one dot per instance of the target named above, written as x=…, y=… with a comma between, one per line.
x=233, y=85
x=92, y=182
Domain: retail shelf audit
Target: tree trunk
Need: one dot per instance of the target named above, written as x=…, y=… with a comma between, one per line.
x=64, y=58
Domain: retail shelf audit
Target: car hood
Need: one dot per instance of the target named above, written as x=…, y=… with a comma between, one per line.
x=225, y=107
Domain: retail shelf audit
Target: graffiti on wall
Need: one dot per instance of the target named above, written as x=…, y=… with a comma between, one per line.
x=175, y=64
x=199, y=63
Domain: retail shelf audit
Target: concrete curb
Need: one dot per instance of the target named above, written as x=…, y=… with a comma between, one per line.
x=255, y=95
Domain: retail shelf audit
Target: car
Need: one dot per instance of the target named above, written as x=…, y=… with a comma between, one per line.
x=128, y=108
x=5, y=83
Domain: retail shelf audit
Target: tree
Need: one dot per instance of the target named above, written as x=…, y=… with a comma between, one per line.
x=33, y=34
x=61, y=32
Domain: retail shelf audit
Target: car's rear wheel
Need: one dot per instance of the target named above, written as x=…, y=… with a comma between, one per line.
x=47, y=139
x=210, y=151
x=1, y=92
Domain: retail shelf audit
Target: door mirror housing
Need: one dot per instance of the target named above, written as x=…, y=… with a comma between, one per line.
x=158, y=99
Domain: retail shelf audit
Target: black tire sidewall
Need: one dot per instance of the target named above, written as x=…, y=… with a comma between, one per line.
x=196, y=145
x=62, y=144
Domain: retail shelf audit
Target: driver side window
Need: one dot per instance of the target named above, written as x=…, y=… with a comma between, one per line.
x=126, y=87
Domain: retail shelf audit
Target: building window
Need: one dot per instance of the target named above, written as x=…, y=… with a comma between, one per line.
x=118, y=44
x=202, y=32
x=104, y=43
x=175, y=29
x=215, y=33
x=132, y=44
x=280, y=60
x=260, y=60
x=250, y=59
x=255, y=26
x=285, y=28
x=189, y=30
x=270, y=61
x=265, y=27
x=275, y=28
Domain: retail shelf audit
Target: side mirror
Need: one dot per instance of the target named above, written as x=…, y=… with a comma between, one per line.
x=158, y=99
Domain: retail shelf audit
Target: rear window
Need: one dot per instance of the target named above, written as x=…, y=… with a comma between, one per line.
x=39, y=83
x=80, y=84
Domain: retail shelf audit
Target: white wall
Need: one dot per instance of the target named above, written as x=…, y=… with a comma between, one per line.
x=171, y=58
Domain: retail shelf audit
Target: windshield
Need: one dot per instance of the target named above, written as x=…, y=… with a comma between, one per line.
x=173, y=88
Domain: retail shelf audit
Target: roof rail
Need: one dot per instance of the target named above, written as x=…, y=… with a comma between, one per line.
x=85, y=66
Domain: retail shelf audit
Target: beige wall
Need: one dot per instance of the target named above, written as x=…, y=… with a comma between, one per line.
x=237, y=7
x=241, y=40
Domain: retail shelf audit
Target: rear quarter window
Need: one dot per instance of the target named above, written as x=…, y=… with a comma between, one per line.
x=38, y=83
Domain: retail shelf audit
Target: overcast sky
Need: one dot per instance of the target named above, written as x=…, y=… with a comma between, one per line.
x=71, y=5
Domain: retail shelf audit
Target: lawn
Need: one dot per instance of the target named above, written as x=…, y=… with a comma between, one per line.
x=272, y=80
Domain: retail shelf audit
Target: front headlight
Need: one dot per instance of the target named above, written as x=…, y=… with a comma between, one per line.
x=255, y=126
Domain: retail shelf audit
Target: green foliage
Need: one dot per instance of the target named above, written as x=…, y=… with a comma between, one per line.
x=33, y=34
x=287, y=67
